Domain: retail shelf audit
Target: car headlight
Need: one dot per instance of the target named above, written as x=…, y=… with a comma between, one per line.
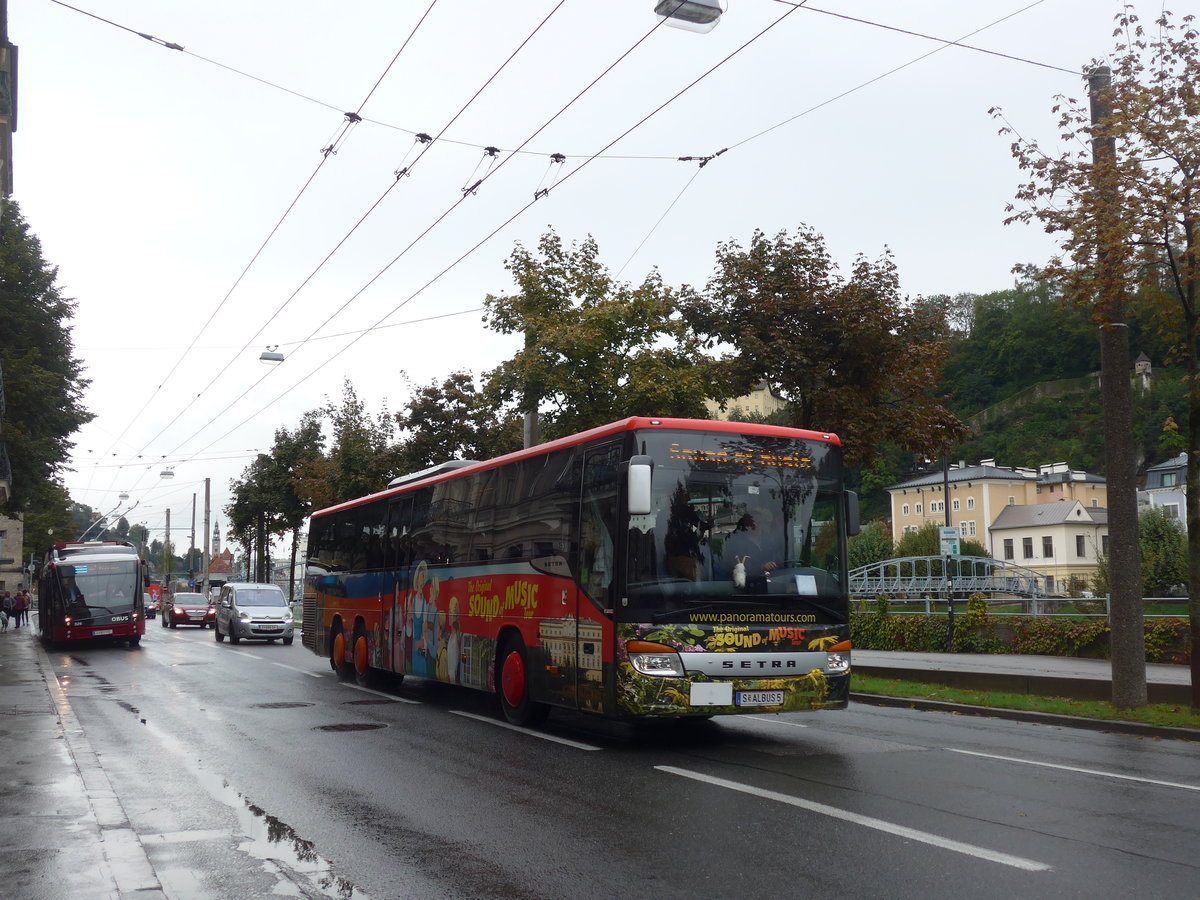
x=245, y=620
x=287, y=617
x=654, y=659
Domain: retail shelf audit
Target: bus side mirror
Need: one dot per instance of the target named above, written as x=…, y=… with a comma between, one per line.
x=639, y=484
x=853, y=524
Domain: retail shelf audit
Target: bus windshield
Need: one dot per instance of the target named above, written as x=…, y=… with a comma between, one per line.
x=739, y=518
x=98, y=588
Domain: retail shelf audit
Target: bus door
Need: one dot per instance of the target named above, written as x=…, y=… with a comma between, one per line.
x=597, y=569
x=395, y=612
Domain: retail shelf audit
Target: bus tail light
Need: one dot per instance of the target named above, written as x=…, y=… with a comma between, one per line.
x=649, y=658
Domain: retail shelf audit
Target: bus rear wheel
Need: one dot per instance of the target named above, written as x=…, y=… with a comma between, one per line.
x=363, y=673
x=337, y=657
x=512, y=686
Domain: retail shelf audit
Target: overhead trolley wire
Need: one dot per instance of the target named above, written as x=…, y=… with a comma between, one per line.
x=500, y=227
x=351, y=120
x=704, y=160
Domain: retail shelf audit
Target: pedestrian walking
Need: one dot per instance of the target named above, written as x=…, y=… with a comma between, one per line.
x=19, y=608
x=24, y=603
x=9, y=605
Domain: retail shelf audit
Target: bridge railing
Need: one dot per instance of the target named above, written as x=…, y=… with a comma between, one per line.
x=1056, y=607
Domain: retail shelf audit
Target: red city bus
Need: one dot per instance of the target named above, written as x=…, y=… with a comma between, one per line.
x=666, y=567
x=92, y=591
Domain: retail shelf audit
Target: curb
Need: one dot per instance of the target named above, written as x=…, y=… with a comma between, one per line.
x=1115, y=726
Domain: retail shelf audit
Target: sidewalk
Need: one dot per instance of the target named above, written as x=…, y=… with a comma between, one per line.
x=1043, y=676
x=66, y=835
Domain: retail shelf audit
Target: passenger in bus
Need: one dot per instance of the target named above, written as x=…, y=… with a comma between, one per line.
x=682, y=557
x=748, y=540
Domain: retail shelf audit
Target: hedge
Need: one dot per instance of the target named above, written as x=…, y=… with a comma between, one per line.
x=975, y=631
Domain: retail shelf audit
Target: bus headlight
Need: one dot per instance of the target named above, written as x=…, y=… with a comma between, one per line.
x=654, y=659
x=838, y=660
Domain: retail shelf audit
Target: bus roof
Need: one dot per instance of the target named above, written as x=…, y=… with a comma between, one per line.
x=446, y=471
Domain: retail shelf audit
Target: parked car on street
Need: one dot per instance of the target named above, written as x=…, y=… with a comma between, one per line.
x=186, y=608
x=253, y=611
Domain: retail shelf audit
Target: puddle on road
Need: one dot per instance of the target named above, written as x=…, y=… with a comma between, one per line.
x=268, y=839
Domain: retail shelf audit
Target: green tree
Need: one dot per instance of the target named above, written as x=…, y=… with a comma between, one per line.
x=362, y=457
x=454, y=420
x=43, y=380
x=1131, y=222
x=1163, y=547
x=927, y=541
x=872, y=544
x=848, y=354
x=596, y=350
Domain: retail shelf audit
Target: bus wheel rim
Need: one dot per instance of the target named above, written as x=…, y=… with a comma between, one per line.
x=360, y=654
x=513, y=679
x=339, y=650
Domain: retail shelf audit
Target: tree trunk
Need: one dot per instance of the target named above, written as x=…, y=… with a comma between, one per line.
x=1125, y=565
x=1192, y=500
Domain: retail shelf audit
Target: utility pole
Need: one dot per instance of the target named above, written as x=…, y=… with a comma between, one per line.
x=1125, y=565
x=946, y=556
x=205, y=560
x=167, y=554
x=192, y=548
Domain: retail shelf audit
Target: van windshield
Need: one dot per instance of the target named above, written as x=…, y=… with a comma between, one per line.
x=260, y=598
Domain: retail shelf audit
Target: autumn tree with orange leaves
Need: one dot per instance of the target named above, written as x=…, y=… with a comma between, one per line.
x=1136, y=211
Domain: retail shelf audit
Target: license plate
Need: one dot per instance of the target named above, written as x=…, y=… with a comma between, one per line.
x=759, y=698
x=270, y=628
x=100, y=631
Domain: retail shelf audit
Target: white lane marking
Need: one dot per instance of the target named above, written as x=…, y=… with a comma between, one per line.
x=366, y=690
x=1017, y=862
x=1081, y=771
x=301, y=671
x=529, y=731
x=774, y=721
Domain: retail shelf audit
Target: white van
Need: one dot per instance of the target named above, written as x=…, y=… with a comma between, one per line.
x=253, y=611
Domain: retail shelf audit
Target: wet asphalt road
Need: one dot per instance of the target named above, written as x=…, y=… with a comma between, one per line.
x=250, y=771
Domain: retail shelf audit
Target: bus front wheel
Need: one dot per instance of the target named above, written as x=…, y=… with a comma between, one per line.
x=512, y=685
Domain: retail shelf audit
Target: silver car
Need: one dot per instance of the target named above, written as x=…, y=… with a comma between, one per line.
x=253, y=611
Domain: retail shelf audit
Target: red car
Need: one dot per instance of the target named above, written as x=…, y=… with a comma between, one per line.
x=188, y=609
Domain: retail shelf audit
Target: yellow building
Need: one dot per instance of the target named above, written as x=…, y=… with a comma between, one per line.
x=980, y=497
x=761, y=401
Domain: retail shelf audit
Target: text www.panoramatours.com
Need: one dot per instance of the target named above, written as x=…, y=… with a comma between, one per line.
x=746, y=618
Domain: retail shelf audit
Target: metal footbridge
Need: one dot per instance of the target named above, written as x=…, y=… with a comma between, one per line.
x=925, y=576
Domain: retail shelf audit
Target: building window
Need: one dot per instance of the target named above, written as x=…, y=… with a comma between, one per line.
x=918, y=509
x=1095, y=503
x=1027, y=547
x=970, y=503
x=954, y=504
x=971, y=528
x=1170, y=479
x=1012, y=501
x=1080, y=546
x=905, y=509
x=1047, y=547
x=1104, y=544
x=1008, y=548
x=1170, y=510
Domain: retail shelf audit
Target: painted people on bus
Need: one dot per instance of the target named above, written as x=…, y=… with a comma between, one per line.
x=424, y=629
x=450, y=653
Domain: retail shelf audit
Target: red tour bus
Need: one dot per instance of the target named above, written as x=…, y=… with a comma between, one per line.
x=92, y=591
x=665, y=567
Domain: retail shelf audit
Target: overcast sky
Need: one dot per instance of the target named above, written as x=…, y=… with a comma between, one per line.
x=154, y=177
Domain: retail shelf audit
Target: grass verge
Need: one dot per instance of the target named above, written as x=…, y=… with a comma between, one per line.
x=1163, y=714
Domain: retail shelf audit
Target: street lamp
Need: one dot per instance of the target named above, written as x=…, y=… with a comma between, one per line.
x=700, y=16
x=271, y=356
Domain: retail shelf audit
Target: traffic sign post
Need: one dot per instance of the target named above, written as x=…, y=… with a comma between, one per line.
x=949, y=539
